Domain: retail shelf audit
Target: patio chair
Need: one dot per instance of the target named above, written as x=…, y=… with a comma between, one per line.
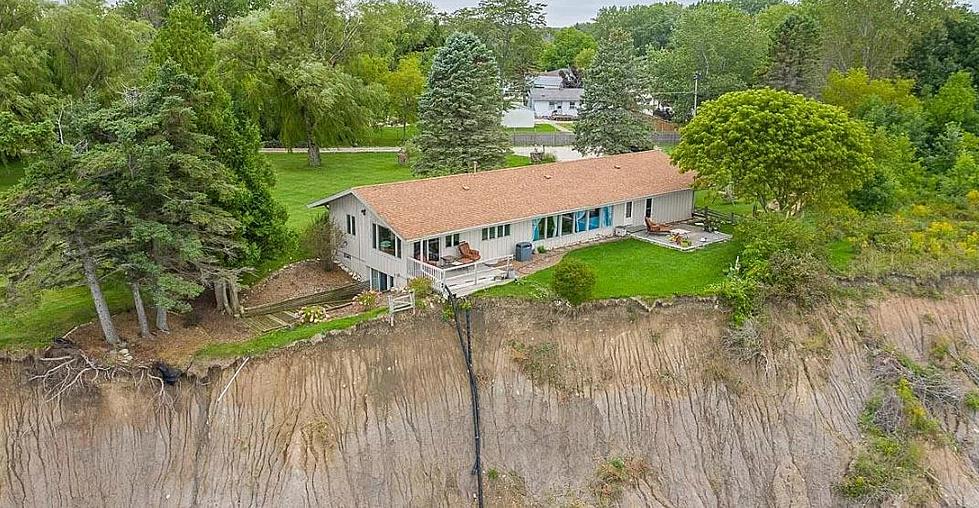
x=656, y=229
x=468, y=254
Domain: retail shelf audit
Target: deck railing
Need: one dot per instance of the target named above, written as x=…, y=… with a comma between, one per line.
x=466, y=275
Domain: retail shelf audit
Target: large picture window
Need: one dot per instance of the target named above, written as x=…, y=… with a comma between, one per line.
x=573, y=222
x=384, y=240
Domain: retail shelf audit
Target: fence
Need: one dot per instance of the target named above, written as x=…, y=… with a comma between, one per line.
x=340, y=295
x=568, y=138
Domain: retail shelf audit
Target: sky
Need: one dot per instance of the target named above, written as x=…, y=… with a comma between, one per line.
x=569, y=12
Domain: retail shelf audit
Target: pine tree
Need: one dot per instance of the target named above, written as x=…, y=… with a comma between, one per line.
x=460, y=112
x=184, y=41
x=611, y=119
x=149, y=153
x=58, y=227
x=794, y=56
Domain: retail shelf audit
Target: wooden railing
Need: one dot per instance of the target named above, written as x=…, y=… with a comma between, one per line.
x=334, y=296
x=462, y=275
x=715, y=216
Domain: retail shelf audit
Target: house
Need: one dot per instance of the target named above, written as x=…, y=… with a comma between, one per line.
x=550, y=79
x=398, y=231
x=555, y=102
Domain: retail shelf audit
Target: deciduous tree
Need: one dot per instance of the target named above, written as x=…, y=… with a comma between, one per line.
x=649, y=25
x=404, y=86
x=783, y=150
x=568, y=43
x=715, y=41
x=460, y=111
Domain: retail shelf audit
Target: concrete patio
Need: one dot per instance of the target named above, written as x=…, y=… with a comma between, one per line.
x=684, y=236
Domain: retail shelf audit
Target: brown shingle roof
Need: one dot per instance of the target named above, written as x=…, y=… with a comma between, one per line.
x=433, y=206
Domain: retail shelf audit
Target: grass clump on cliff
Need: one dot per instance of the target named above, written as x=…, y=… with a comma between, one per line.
x=542, y=363
x=614, y=475
x=281, y=338
x=895, y=423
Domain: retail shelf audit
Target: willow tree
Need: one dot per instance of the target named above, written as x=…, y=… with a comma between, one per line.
x=287, y=62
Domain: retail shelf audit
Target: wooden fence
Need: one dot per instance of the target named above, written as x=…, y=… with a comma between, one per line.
x=334, y=296
x=715, y=216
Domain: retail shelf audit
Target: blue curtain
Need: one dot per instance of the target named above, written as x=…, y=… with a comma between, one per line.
x=536, y=229
x=607, y=214
x=594, y=221
x=581, y=221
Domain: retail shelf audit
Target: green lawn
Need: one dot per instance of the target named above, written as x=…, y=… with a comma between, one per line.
x=541, y=128
x=632, y=267
x=389, y=136
x=713, y=200
x=285, y=337
x=10, y=174
x=54, y=314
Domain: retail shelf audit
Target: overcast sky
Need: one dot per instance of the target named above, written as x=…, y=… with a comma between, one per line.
x=569, y=12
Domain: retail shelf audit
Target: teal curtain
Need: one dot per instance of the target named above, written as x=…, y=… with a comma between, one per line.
x=536, y=229
x=607, y=215
x=581, y=221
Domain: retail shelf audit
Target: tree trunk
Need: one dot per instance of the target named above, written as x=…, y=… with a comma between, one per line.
x=101, y=306
x=144, y=323
x=161, y=319
x=312, y=149
x=235, y=301
x=221, y=295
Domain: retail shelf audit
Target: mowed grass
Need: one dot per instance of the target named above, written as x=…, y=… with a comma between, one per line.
x=54, y=313
x=632, y=267
x=284, y=337
x=541, y=128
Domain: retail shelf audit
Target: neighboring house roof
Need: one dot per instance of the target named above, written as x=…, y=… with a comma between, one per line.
x=418, y=209
x=556, y=94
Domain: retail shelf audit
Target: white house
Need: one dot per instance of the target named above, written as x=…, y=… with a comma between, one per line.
x=555, y=102
x=426, y=227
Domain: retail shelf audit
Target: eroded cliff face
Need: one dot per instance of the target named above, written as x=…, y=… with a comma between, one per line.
x=381, y=416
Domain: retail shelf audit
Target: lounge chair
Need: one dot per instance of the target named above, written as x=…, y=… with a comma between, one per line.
x=468, y=254
x=656, y=229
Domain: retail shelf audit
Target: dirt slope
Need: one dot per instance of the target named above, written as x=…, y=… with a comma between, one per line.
x=381, y=417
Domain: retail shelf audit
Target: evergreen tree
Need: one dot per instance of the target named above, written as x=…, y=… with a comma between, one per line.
x=58, y=227
x=460, y=112
x=148, y=151
x=794, y=56
x=184, y=41
x=611, y=120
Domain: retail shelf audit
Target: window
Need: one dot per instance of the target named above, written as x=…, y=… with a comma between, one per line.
x=494, y=232
x=567, y=224
x=628, y=210
x=649, y=207
x=594, y=218
x=384, y=240
x=574, y=105
x=452, y=240
x=546, y=227
x=351, y=225
x=552, y=105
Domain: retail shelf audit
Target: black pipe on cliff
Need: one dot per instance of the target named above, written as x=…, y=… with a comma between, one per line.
x=466, y=343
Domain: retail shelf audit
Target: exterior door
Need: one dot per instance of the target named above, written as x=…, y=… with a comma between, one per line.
x=381, y=281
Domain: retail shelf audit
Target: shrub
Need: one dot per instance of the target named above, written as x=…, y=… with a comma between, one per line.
x=613, y=475
x=323, y=239
x=971, y=401
x=422, y=286
x=313, y=314
x=573, y=280
x=368, y=299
